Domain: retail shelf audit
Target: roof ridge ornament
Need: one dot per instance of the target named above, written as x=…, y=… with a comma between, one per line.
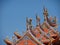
x=7, y=41
x=37, y=20
x=29, y=23
x=45, y=13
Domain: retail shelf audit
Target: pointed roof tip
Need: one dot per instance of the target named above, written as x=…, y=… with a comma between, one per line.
x=45, y=11
x=7, y=41
x=44, y=8
x=16, y=32
x=17, y=35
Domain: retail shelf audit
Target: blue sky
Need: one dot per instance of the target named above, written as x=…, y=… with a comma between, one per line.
x=13, y=14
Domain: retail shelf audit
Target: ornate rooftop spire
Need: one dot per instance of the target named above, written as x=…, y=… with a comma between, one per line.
x=45, y=12
x=29, y=23
x=55, y=19
x=37, y=20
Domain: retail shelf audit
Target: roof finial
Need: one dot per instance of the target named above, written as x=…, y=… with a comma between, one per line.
x=55, y=20
x=30, y=23
x=37, y=20
x=27, y=23
x=45, y=12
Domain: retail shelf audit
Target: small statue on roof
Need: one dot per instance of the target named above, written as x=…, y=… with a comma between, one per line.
x=37, y=20
x=29, y=23
x=45, y=13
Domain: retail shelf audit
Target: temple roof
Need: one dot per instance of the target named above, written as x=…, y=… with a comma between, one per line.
x=42, y=34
